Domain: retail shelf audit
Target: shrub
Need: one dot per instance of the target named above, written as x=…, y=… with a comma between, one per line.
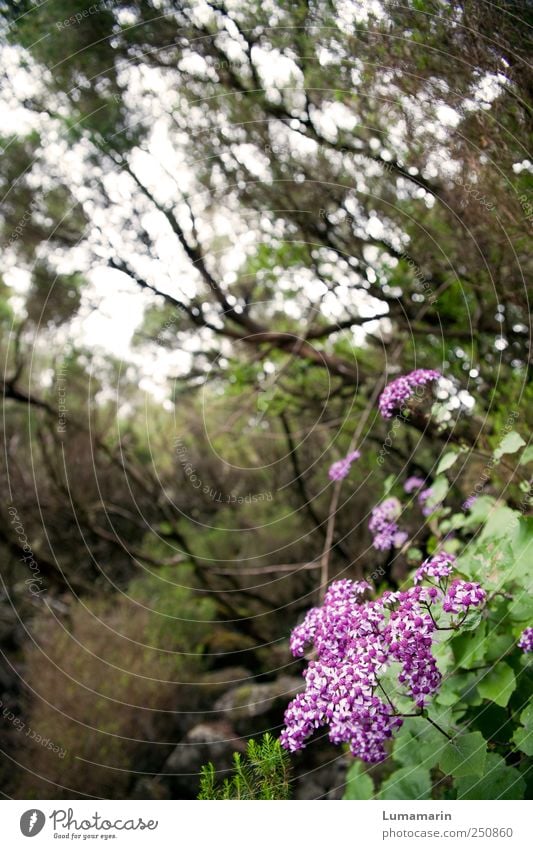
x=263, y=773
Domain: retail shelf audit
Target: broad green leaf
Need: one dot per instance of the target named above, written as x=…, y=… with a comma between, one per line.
x=510, y=443
x=491, y=562
x=501, y=523
x=521, y=608
x=469, y=648
x=359, y=785
x=472, y=620
x=480, y=510
x=418, y=744
x=522, y=546
x=439, y=491
x=527, y=456
x=498, y=781
x=407, y=783
x=457, y=521
x=526, y=717
x=464, y=755
x=523, y=740
x=447, y=461
x=498, y=645
x=449, y=692
x=498, y=685
x=446, y=716
x=459, y=687
x=442, y=652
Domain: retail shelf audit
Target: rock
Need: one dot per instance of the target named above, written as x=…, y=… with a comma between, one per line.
x=207, y=741
x=316, y=777
x=215, y=683
x=250, y=700
x=223, y=641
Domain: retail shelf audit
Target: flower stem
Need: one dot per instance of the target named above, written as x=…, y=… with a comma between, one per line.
x=442, y=731
x=386, y=696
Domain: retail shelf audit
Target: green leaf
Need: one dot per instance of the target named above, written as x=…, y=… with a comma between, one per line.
x=447, y=461
x=464, y=755
x=480, y=509
x=414, y=555
x=418, y=744
x=510, y=443
x=459, y=687
x=501, y=523
x=359, y=785
x=394, y=690
x=498, y=645
x=442, y=652
x=526, y=717
x=523, y=740
x=469, y=648
x=498, y=781
x=527, y=456
x=439, y=491
x=498, y=685
x=522, y=546
x=388, y=484
x=407, y=783
x=521, y=609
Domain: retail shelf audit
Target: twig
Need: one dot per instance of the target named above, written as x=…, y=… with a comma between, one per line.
x=334, y=503
x=442, y=731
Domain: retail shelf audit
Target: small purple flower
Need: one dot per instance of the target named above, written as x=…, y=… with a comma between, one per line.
x=439, y=566
x=412, y=483
x=385, y=512
x=399, y=391
x=399, y=538
x=341, y=468
x=423, y=498
x=461, y=595
x=470, y=501
x=526, y=640
x=383, y=527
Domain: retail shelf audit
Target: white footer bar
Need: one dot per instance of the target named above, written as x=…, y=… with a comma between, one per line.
x=267, y=825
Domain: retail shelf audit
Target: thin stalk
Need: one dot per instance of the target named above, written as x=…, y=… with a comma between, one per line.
x=442, y=731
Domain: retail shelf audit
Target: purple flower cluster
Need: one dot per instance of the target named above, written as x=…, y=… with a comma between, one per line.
x=383, y=527
x=415, y=483
x=398, y=392
x=526, y=640
x=340, y=469
x=439, y=566
x=355, y=642
x=412, y=483
x=461, y=595
x=411, y=630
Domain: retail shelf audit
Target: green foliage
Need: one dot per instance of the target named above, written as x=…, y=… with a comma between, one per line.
x=481, y=740
x=262, y=773
x=510, y=444
x=106, y=687
x=497, y=781
x=464, y=755
x=359, y=785
x=407, y=783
